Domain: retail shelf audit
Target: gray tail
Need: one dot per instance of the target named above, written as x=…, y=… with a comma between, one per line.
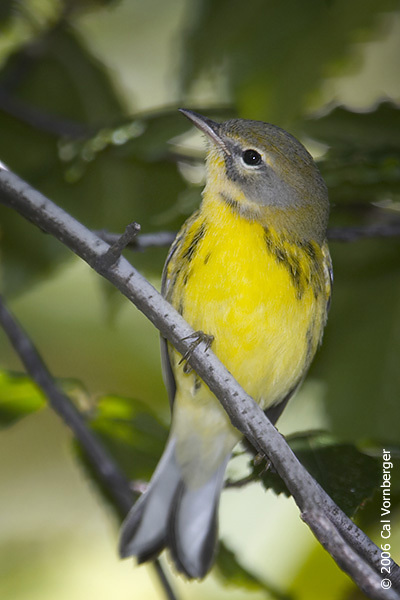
x=169, y=514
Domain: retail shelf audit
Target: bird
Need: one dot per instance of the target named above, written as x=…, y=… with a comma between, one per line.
x=250, y=271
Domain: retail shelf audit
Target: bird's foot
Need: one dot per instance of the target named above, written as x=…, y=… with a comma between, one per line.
x=198, y=337
x=262, y=464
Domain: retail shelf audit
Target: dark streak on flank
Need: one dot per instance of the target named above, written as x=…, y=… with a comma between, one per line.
x=292, y=255
x=198, y=235
x=289, y=260
x=280, y=255
x=309, y=249
x=316, y=267
x=268, y=240
x=207, y=258
x=171, y=285
x=293, y=264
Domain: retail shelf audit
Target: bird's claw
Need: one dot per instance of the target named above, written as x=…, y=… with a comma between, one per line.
x=198, y=337
x=258, y=461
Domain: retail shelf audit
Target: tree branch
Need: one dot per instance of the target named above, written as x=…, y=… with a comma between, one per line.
x=52, y=124
x=106, y=468
x=244, y=413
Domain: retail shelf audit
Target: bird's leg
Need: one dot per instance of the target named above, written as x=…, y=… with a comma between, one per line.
x=258, y=461
x=197, y=337
x=259, y=458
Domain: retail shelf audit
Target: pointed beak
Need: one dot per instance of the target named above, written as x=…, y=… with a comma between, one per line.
x=207, y=126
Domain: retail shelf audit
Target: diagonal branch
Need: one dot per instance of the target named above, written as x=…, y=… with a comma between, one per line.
x=106, y=468
x=109, y=472
x=361, y=560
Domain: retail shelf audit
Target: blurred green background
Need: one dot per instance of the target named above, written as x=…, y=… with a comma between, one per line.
x=89, y=92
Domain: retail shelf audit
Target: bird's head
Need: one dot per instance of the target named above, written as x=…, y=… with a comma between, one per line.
x=265, y=174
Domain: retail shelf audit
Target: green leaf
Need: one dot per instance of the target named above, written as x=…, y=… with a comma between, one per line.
x=107, y=180
x=358, y=360
x=134, y=436
x=362, y=340
x=19, y=397
x=232, y=573
x=363, y=161
x=62, y=85
x=346, y=473
x=371, y=514
x=6, y=11
x=65, y=82
x=374, y=129
x=273, y=56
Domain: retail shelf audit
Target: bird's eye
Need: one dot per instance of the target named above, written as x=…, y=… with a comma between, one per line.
x=252, y=158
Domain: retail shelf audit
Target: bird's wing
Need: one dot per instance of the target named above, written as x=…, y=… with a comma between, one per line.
x=168, y=374
x=167, y=282
x=328, y=273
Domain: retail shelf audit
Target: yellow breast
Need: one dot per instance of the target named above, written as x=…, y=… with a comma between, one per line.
x=262, y=298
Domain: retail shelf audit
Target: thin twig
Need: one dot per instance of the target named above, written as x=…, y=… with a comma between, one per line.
x=335, y=234
x=41, y=120
x=119, y=245
x=242, y=410
x=239, y=483
x=169, y=592
x=352, y=234
x=143, y=241
x=107, y=469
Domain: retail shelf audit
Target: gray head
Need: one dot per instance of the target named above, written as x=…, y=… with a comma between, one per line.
x=265, y=171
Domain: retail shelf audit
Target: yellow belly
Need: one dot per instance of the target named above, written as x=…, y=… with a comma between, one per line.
x=235, y=290
x=266, y=320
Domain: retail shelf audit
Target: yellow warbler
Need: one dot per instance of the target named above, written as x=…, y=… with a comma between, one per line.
x=251, y=270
